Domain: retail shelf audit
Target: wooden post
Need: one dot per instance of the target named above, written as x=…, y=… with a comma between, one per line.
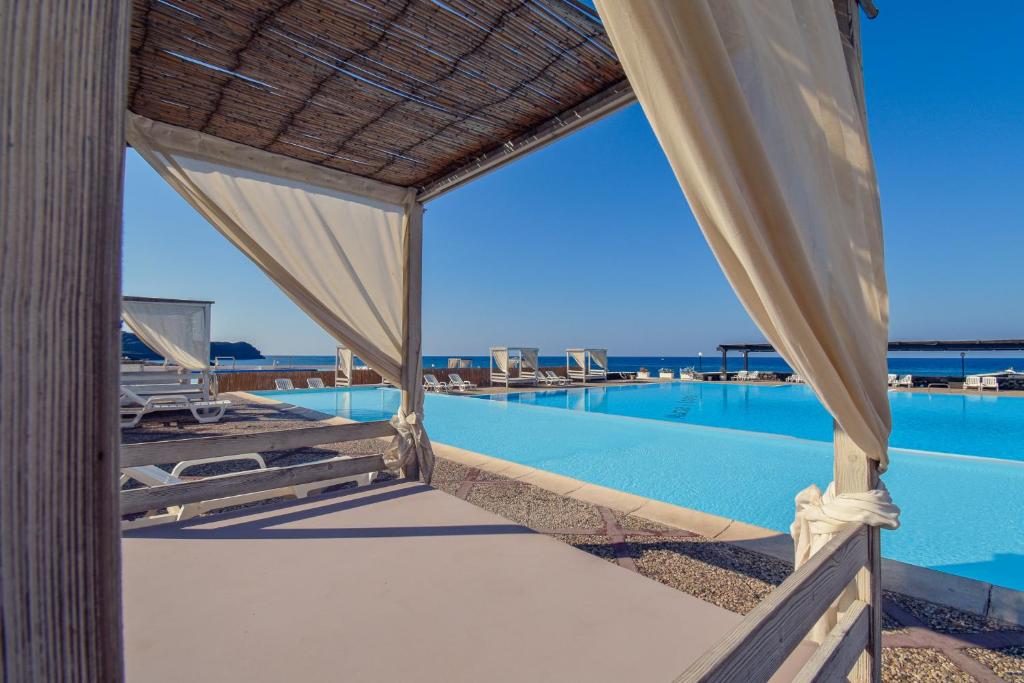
x=854, y=472
x=63, y=74
x=412, y=319
x=746, y=360
x=725, y=365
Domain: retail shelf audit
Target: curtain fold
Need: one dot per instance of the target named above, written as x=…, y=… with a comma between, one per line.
x=530, y=360
x=178, y=331
x=754, y=107
x=580, y=357
x=599, y=357
x=337, y=255
x=500, y=357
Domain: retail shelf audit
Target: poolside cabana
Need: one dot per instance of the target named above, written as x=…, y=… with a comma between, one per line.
x=343, y=366
x=178, y=330
x=513, y=365
x=310, y=134
x=586, y=365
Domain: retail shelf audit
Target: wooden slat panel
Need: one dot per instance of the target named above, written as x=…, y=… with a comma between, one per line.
x=155, y=497
x=832, y=662
x=756, y=648
x=181, y=450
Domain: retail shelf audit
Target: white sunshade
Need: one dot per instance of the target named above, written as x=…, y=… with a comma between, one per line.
x=179, y=331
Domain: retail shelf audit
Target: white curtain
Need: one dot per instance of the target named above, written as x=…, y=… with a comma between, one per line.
x=344, y=361
x=599, y=357
x=333, y=243
x=500, y=357
x=754, y=107
x=580, y=357
x=347, y=250
x=530, y=357
x=178, y=331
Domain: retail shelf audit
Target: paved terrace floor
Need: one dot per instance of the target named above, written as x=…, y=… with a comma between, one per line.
x=195, y=601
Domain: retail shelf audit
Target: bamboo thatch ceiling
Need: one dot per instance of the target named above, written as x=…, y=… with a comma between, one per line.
x=402, y=91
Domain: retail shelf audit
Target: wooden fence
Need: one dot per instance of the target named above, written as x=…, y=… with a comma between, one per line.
x=263, y=380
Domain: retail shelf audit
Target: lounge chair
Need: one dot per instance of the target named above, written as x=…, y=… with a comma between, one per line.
x=456, y=382
x=551, y=378
x=151, y=475
x=893, y=379
x=973, y=382
x=315, y=383
x=134, y=406
x=795, y=378
x=754, y=376
x=905, y=381
x=742, y=376
x=430, y=383
x=990, y=382
x=666, y=373
x=283, y=384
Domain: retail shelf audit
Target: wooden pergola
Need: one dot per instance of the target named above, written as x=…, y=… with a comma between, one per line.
x=413, y=93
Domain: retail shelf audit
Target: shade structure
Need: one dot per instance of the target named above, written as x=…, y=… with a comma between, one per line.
x=177, y=330
x=586, y=364
x=513, y=365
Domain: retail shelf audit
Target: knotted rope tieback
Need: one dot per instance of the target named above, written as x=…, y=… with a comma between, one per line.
x=820, y=516
x=410, y=444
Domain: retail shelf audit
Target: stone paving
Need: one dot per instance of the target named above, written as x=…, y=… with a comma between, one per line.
x=922, y=641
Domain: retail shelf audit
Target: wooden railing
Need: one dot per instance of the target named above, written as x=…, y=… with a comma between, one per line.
x=758, y=646
x=183, y=450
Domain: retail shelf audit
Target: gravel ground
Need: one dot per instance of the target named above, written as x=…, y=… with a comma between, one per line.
x=1007, y=663
x=920, y=665
x=721, y=574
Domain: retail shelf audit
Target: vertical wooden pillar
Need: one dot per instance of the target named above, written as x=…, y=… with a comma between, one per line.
x=746, y=360
x=725, y=365
x=412, y=318
x=854, y=472
x=63, y=73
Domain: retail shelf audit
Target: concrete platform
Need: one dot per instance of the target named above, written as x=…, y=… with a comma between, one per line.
x=396, y=582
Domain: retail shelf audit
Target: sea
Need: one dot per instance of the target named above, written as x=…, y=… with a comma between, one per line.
x=904, y=365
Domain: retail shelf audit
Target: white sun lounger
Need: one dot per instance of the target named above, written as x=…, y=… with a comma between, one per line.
x=989, y=382
x=550, y=377
x=134, y=406
x=315, y=383
x=973, y=382
x=742, y=376
x=893, y=379
x=906, y=381
x=430, y=383
x=456, y=382
x=284, y=384
x=151, y=475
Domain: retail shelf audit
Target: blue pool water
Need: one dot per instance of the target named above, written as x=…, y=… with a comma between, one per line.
x=963, y=515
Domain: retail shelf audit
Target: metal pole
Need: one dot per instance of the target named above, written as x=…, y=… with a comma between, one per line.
x=963, y=365
x=700, y=361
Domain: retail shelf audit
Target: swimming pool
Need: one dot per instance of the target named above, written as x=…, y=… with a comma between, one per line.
x=979, y=424
x=963, y=515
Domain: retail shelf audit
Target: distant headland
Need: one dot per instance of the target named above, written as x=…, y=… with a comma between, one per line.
x=134, y=349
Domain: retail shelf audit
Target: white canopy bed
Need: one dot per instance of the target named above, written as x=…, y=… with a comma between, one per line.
x=587, y=365
x=513, y=365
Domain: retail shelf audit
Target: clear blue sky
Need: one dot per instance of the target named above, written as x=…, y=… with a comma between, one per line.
x=590, y=241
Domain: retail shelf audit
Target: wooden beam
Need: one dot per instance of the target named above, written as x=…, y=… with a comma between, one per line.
x=606, y=102
x=63, y=70
x=832, y=662
x=758, y=646
x=211, y=488
x=855, y=472
x=182, y=450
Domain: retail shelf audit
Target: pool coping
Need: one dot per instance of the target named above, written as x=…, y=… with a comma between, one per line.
x=969, y=595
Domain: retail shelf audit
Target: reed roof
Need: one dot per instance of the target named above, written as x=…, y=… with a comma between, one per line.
x=402, y=91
